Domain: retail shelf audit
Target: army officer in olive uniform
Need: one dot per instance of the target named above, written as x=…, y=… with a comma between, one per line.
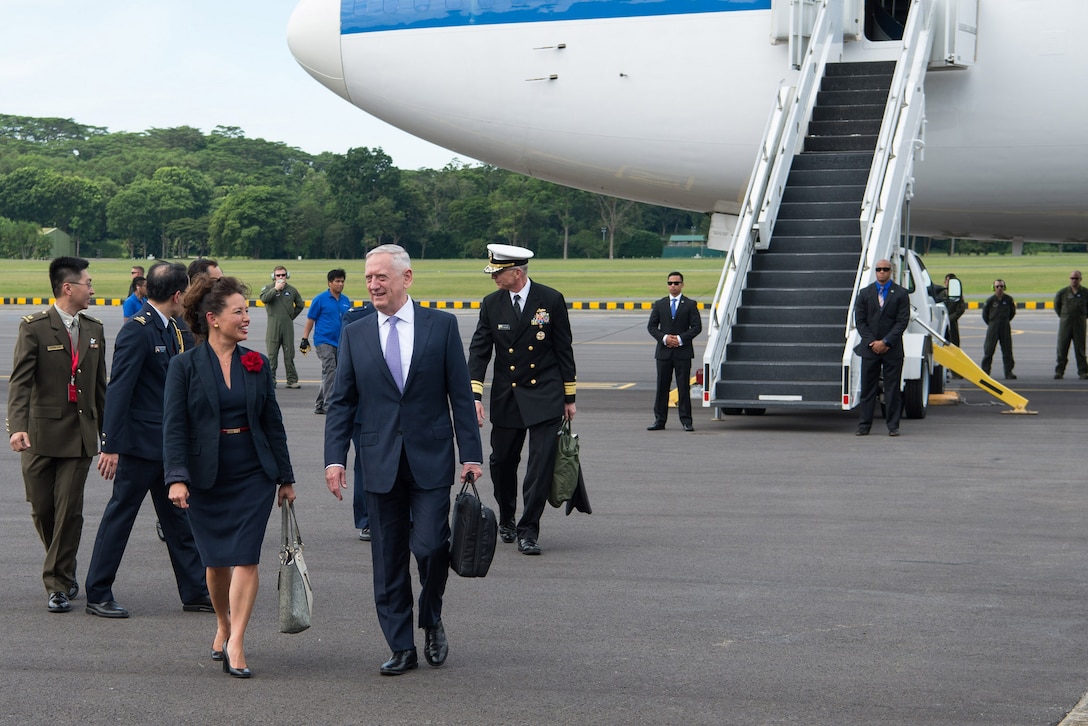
x=56, y=394
x=532, y=388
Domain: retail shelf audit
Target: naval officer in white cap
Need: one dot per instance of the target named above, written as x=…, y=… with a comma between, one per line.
x=525, y=324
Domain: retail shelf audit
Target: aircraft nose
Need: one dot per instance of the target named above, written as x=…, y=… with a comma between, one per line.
x=313, y=35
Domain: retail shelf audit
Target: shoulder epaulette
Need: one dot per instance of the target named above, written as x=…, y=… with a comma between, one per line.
x=40, y=315
x=141, y=319
x=92, y=318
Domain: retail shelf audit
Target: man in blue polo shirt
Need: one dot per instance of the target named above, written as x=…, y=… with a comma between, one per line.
x=323, y=318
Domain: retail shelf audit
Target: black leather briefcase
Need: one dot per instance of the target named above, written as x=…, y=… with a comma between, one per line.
x=474, y=531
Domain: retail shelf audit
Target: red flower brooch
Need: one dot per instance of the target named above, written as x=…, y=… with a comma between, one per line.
x=252, y=362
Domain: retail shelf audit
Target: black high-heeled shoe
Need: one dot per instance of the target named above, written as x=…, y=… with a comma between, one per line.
x=217, y=655
x=235, y=672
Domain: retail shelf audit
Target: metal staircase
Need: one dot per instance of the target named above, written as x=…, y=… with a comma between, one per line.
x=787, y=342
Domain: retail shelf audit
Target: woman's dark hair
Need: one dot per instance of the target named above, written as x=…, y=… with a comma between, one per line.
x=206, y=294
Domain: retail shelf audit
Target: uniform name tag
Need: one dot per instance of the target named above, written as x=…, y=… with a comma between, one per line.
x=160, y=348
x=503, y=326
x=55, y=347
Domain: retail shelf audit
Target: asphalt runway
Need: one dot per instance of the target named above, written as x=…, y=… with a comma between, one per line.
x=762, y=570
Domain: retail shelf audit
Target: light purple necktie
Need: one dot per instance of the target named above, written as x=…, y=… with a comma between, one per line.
x=392, y=353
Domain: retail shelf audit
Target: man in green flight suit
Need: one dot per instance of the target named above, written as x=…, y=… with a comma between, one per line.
x=1071, y=306
x=283, y=304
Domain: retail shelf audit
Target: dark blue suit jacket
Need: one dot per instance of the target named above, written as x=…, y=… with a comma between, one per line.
x=367, y=406
x=191, y=421
x=132, y=423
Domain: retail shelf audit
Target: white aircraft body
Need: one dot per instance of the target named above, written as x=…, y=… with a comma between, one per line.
x=665, y=101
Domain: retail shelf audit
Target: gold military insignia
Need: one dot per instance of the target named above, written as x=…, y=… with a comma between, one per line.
x=141, y=319
x=540, y=335
x=541, y=317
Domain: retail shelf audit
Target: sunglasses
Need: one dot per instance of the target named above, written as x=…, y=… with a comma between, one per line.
x=883, y=269
x=676, y=282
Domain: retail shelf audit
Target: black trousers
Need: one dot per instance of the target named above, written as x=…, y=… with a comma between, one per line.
x=506, y=447
x=667, y=369
x=409, y=520
x=871, y=369
x=136, y=478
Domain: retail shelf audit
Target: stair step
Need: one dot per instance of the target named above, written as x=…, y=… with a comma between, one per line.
x=856, y=142
x=807, y=279
x=824, y=193
x=851, y=98
x=786, y=352
x=800, y=261
x=798, y=297
x=766, y=394
x=877, y=82
x=864, y=68
x=844, y=127
x=827, y=177
x=849, y=113
x=800, y=330
x=816, y=227
x=819, y=210
x=831, y=162
x=829, y=244
x=775, y=371
x=790, y=314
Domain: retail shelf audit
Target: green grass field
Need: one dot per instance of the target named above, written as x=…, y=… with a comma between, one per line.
x=1033, y=277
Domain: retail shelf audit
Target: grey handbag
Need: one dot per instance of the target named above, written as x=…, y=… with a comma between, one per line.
x=296, y=595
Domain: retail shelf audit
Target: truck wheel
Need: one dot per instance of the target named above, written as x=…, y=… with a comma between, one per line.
x=936, y=380
x=916, y=397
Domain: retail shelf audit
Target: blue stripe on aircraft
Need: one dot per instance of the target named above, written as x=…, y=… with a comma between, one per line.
x=369, y=16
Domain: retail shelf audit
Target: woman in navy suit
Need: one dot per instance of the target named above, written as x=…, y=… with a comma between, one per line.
x=225, y=451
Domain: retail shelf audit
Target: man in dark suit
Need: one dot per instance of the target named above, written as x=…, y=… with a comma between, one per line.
x=532, y=388
x=56, y=394
x=674, y=323
x=881, y=315
x=400, y=375
x=132, y=448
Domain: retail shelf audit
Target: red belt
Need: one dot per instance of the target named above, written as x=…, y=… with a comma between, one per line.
x=239, y=430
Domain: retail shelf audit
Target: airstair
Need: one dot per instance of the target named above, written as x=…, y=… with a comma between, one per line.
x=825, y=202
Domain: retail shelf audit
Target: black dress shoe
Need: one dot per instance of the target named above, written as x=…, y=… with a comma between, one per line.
x=528, y=546
x=58, y=603
x=107, y=609
x=893, y=432
x=364, y=534
x=200, y=606
x=689, y=427
x=508, y=532
x=655, y=426
x=436, y=647
x=233, y=672
x=401, y=662
x=861, y=432
x=73, y=591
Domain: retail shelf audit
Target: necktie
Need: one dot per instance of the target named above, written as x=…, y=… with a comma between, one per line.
x=517, y=305
x=674, y=307
x=73, y=333
x=880, y=295
x=392, y=353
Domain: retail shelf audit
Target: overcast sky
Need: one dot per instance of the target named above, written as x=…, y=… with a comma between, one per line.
x=131, y=65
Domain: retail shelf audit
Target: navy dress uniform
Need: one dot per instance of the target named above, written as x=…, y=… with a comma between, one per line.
x=132, y=428
x=533, y=380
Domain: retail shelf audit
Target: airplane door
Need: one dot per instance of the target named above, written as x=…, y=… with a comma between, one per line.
x=956, y=42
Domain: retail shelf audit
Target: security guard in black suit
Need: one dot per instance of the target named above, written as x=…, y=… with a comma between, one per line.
x=532, y=388
x=132, y=447
x=674, y=324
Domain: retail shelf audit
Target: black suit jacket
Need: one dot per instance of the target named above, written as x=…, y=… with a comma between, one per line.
x=191, y=421
x=132, y=424
x=687, y=324
x=534, y=371
x=366, y=406
x=886, y=323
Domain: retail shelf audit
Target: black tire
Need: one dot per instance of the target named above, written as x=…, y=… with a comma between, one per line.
x=916, y=397
x=936, y=380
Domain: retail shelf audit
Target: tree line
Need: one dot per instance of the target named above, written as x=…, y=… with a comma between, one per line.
x=177, y=192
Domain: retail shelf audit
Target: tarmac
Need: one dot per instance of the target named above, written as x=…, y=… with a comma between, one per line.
x=767, y=569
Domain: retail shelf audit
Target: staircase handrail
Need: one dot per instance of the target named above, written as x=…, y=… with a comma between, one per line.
x=783, y=134
x=891, y=172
